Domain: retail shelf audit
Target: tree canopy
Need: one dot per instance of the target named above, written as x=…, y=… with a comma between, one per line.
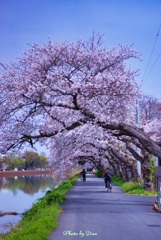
x=79, y=98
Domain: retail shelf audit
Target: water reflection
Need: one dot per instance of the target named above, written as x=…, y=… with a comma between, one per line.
x=27, y=184
x=17, y=194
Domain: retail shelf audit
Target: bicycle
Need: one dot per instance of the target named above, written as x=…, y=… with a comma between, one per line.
x=109, y=187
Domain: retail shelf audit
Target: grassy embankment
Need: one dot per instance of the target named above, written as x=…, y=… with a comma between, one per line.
x=132, y=187
x=129, y=187
x=38, y=222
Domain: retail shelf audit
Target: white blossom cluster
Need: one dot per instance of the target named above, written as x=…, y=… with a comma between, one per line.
x=70, y=96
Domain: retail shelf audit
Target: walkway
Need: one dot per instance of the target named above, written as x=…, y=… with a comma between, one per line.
x=89, y=212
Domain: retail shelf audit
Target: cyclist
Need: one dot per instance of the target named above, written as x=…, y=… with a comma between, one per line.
x=108, y=178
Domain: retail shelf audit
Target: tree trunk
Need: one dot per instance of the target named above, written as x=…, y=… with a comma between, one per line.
x=138, y=133
x=146, y=173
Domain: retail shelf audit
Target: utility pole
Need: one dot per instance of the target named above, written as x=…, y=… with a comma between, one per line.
x=138, y=124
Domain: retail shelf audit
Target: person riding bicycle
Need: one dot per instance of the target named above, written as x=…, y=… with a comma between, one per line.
x=108, y=178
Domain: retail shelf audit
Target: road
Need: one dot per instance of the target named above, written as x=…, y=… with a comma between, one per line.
x=89, y=212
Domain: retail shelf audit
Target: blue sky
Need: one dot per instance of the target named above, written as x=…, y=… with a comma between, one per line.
x=127, y=21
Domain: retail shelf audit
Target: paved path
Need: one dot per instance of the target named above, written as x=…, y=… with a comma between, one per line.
x=89, y=212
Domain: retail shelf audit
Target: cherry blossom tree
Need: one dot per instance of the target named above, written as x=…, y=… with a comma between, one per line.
x=59, y=86
x=150, y=108
x=55, y=89
x=150, y=116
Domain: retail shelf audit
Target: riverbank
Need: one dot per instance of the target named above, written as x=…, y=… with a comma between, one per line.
x=39, y=221
x=18, y=193
x=24, y=173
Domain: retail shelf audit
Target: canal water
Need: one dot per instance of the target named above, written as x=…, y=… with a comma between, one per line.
x=17, y=194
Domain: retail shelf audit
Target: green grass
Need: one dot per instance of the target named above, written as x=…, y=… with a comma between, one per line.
x=136, y=188
x=132, y=187
x=117, y=181
x=38, y=222
x=98, y=174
